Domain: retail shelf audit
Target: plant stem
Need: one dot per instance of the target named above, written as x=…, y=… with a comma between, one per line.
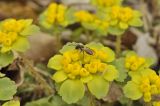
x=47, y=89
x=130, y=103
x=87, y=32
x=92, y=101
x=118, y=45
x=59, y=43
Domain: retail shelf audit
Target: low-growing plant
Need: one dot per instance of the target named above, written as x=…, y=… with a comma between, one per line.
x=82, y=74
x=13, y=40
x=77, y=70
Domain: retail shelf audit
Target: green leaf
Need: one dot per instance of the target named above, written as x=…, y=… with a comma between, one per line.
x=124, y=101
x=128, y=53
x=113, y=22
x=77, y=33
x=98, y=87
x=137, y=14
x=94, y=45
x=6, y=59
x=110, y=53
x=21, y=44
x=115, y=30
x=55, y=62
x=68, y=47
x=72, y=91
x=69, y=16
x=41, y=102
x=147, y=72
x=12, y=103
x=149, y=62
x=119, y=64
x=101, y=32
x=28, y=22
x=85, y=101
x=123, y=25
x=57, y=101
x=7, y=89
x=5, y=49
x=136, y=22
x=86, y=79
x=43, y=22
x=89, y=26
x=111, y=73
x=136, y=77
x=132, y=91
x=32, y=29
x=59, y=76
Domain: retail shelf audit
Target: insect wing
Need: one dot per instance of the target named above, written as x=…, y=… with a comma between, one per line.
x=89, y=51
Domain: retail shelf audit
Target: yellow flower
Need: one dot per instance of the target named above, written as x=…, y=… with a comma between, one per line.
x=2, y=35
x=115, y=12
x=149, y=86
x=123, y=17
x=84, y=16
x=147, y=97
x=133, y=62
x=83, y=72
x=102, y=67
x=55, y=13
x=61, y=13
x=12, y=31
x=12, y=25
x=101, y=24
x=51, y=13
x=123, y=14
x=144, y=84
x=7, y=39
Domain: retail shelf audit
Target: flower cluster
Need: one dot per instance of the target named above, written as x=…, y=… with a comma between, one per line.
x=150, y=85
x=134, y=62
x=77, y=65
x=91, y=21
x=7, y=39
x=13, y=31
x=110, y=18
x=13, y=37
x=123, y=17
x=146, y=85
x=84, y=16
x=56, y=15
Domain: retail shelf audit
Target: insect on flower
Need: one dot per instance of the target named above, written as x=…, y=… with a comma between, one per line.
x=83, y=49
